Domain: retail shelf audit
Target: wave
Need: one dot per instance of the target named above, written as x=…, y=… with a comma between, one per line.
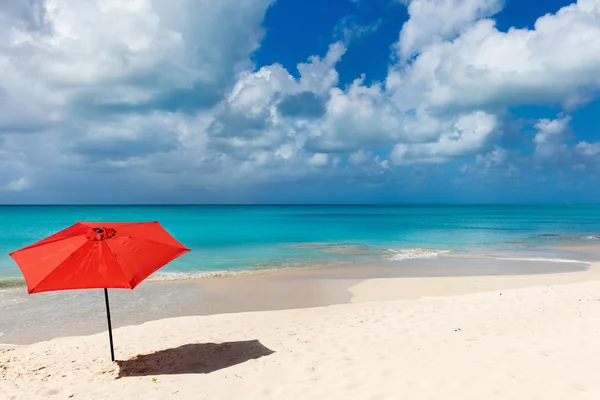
x=542, y=259
x=185, y=276
x=163, y=276
x=397, y=254
x=416, y=253
x=259, y=268
x=567, y=237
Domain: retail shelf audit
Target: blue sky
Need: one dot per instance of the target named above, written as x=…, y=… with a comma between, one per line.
x=263, y=101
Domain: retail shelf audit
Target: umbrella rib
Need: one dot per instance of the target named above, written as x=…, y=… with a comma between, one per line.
x=70, y=255
x=117, y=263
x=181, y=248
x=54, y=269
x=43, y=243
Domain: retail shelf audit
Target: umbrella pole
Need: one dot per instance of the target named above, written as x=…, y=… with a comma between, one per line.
x=112, y=351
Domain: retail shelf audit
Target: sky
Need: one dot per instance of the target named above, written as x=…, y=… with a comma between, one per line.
x=265, y=101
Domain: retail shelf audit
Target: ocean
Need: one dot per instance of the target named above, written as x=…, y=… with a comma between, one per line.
x=241, y=239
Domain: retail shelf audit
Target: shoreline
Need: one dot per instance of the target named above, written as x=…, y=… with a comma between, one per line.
x=382, y=255
x=31, y=318
x=12, y=282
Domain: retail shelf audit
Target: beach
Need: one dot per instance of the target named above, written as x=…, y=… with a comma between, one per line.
x=519, y=336
x=320, y=302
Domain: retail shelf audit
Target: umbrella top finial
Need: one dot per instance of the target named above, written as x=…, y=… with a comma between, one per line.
x=100, y=233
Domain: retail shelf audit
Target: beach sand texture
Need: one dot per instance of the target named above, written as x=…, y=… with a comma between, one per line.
x=537, y=342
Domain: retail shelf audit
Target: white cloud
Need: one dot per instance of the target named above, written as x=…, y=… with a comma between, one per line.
x=496, y=163
x=588, y=149
x=256, y=92
x=59, y=54
x=165, y=94
x=552, y=148
x=318, y=160
x=434, y=20
x=319, y=75
x=550, y=139
x=554, y=63
x=360, y=157
x=492, y=159
x=468, y=135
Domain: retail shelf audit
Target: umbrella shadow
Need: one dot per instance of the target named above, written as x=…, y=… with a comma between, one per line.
x=195, y=358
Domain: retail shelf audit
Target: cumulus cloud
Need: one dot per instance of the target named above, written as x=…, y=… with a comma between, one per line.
x=494, y=158
x=555, y=63
x=550, y=139
x=164, y=94
x=318, y=160
x=552, y=148
x=467, y=136
x=496, y=164
x=435, y=20
x=360, y=157
x=588, y=149
x=60, y=55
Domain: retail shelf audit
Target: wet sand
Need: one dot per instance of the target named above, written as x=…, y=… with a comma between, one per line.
x=31, y=318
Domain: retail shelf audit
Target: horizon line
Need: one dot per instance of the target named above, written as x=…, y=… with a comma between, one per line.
x=289, y=204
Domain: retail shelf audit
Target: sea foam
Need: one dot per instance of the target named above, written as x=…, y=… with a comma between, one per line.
x=411, y=254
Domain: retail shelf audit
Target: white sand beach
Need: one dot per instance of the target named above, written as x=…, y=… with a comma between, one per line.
x=540, y=341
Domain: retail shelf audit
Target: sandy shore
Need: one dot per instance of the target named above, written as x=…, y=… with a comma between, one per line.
x=31, y=318
x=536, y=342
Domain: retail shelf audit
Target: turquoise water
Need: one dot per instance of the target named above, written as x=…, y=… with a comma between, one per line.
x=230, y=238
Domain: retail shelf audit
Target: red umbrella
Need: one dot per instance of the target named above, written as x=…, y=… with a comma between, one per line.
x=97, y=255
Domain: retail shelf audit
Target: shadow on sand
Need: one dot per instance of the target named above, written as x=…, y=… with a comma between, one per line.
x=196, y=358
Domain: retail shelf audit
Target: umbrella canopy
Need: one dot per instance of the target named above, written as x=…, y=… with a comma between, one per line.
x=97, y=255
x=103, y=255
